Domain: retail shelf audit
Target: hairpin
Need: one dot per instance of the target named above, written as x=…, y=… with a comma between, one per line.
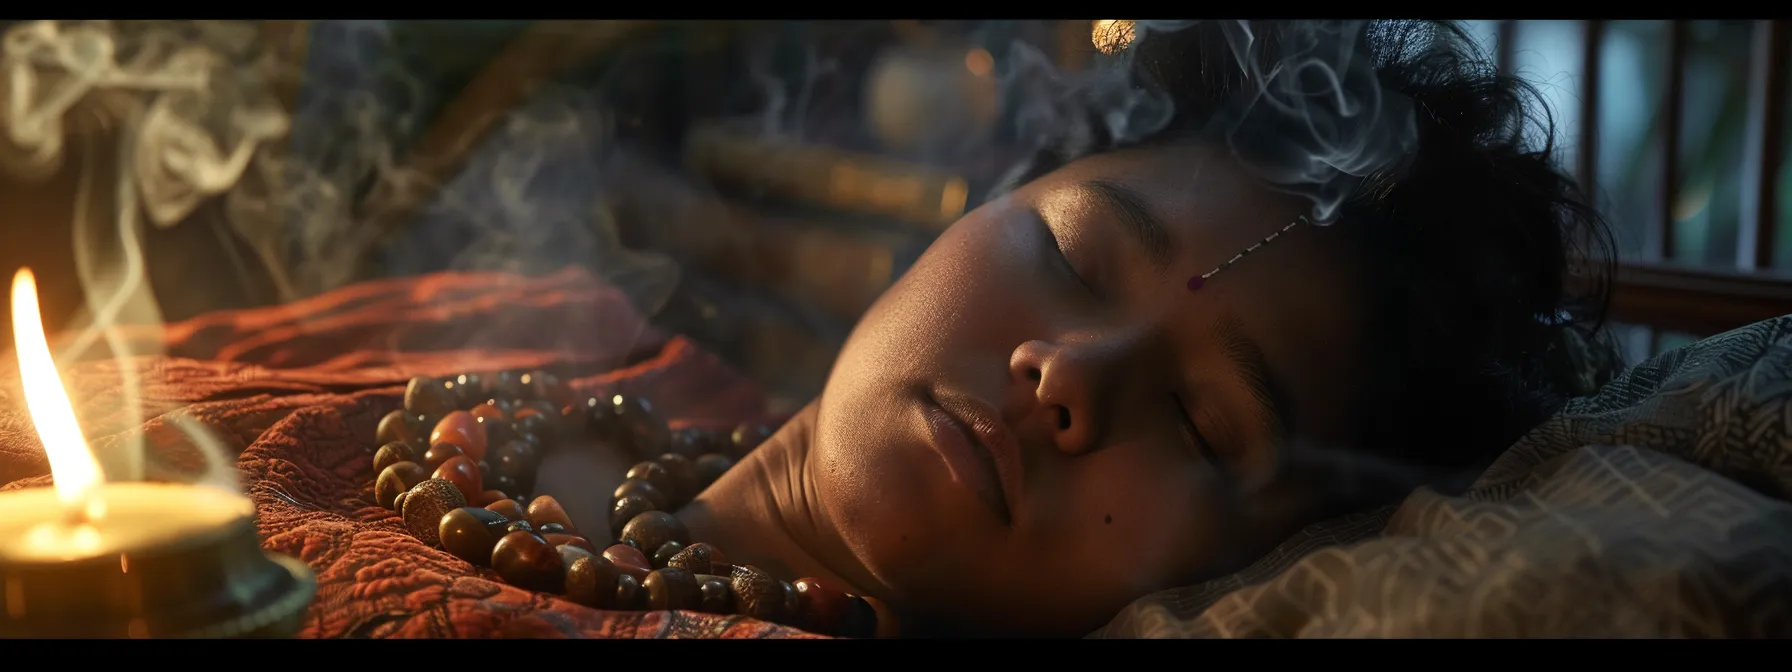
x=1199, y=281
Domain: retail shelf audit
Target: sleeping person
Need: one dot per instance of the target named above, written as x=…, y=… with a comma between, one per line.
x=1155, y=357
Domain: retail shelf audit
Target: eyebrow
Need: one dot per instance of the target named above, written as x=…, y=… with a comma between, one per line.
x=1130, y=208
x=1269, y=392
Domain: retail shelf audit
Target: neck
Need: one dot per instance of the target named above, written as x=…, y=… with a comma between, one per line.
x=764, y=512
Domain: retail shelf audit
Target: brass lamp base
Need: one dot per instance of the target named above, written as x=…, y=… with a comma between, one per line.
x=219, y=584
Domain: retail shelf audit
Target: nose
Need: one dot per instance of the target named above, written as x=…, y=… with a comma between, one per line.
x=1064, y=385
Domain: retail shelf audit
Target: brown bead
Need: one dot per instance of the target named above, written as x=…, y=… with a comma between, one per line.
x=635, y=427
x=396, y=479
x=823, y=607
x=569, y=552
x=552, y=528
x=505, y=484
x=628, y=560
x=520, y=526
x=440, y=453
x=591, y=581
x=488, y=498
x=545, y=509
x=757, y=594
x=505, y=385
x=663, y=554
x=711, y=467
x=629, y=595
x=470, y=533
x=653, y=529
x=509, y=508
x=690, y=442
x=462, y=429
x=747, y=437
x=395, y=427
x=427, y=396
x=716, y=597
x=625, y=509
x=683, y=475
x=637, y=488
x=398, y=503
x=671, y=588
x=516, y=459
x=656, y=476
x=463, y=474
x=487, y=413
x=427, y=503
x=564, y=539
x=470, y=389
x=793, y=604
x=527, y=561
x=693, y=558
x=497, y=433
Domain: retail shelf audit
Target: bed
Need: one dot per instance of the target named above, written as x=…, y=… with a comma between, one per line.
x=1656, y=508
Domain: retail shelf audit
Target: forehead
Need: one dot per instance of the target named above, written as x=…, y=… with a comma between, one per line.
x=1191, y=185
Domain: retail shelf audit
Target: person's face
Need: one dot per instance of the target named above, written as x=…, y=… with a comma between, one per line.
x=1145, y=423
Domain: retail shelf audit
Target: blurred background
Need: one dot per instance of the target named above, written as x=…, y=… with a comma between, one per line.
x=756, y=184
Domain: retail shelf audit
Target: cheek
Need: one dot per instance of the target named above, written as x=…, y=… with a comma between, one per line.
x=1146, y=517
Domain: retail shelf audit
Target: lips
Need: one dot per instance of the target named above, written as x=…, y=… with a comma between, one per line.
x=980, y=450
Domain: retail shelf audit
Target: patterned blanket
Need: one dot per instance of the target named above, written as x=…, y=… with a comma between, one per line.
x=1657, y=508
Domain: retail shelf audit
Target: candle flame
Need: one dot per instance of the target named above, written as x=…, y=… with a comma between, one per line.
x=72, y=464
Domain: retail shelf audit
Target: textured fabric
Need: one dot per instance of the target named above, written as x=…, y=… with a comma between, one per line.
x=1656, y=508
x=297, y=391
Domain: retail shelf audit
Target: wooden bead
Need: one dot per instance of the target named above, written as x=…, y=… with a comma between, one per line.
x=395, y=427
x=545, y=509
x=470, y=533
x=711, y=467
x=487, y=413
x=690, y=442
x=551, y=528
x=625, y=509
x=464, y=475
x=757, y=594
x=563, y=539
x=823, y=607
x=793, y=604
x=516, y=459
x=427, y=503
x=398, y=503
x=470, y=389
x=628, y=560
x=462, y=429
x=671, y=588
x=715, y=595
x=396, y=479
x=635, y=427
x=509, y=508
x=497, y=433
x=629, y=595
x=682, y=473
x=663, y=555
x=693, y=558
x=427, y=396
x=527, y=561
x=504, y=484
x=747, y=437
x=591, y=581
x=488, y=498
x=653, y=529
x=635, y=488
x=569, y=552
x=439, y=454
x=657, y=476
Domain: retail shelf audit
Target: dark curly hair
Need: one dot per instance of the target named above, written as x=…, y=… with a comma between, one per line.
x=1490, y=265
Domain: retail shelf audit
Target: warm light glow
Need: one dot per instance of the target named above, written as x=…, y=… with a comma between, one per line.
x=1111, y=36
x=979, y=62
x=72, y=465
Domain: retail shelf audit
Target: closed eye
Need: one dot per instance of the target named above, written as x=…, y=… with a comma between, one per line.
x=1064, y=259
x=1191, y=434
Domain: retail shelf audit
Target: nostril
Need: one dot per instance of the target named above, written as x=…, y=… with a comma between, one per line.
x=1033, y=374
x=1063, y=418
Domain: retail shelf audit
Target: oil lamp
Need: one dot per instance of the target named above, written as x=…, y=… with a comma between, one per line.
x=91, y=558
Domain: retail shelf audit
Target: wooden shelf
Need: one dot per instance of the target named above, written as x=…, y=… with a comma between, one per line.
x=1697, y=302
